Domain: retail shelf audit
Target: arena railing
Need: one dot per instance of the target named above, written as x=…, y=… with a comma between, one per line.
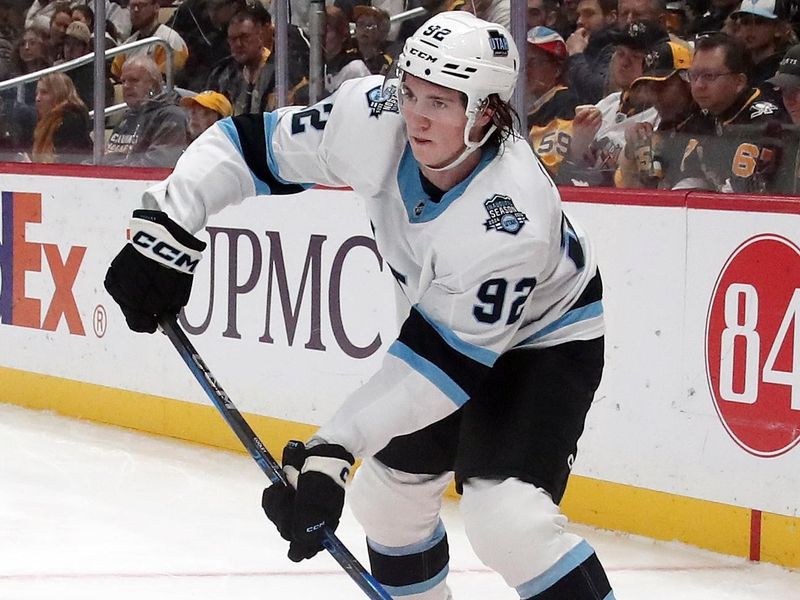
x=99, y=83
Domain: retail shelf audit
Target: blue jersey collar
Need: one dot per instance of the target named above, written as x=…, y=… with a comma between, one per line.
x=420, y=207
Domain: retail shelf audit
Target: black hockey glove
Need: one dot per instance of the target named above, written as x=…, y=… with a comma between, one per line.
x=313, y=499
x=152, y=275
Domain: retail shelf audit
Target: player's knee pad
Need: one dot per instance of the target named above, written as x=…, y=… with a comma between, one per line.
x=406, y=540
x=517, y=530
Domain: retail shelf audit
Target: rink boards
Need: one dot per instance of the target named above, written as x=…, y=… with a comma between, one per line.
x=694, y=433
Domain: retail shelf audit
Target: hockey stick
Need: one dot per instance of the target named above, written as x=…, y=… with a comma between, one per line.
x=363, y=578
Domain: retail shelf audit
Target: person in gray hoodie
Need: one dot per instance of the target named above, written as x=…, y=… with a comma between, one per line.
x=154, y=132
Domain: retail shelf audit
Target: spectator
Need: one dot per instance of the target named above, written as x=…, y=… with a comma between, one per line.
x=247, y=77
x=494, y=11
x=556, y=134
x=205, y=109
x=623, y=108
x=787, y=80
x=203, y=24
x=653, y=154
x=590, y=49
x=84, y=14
x=409, y=26
x=675, y=18
x=77, y=43
x=342, y=60
x=715, y=17
x=372, y=30
x=542, y=13
x=9, y=34
x=17, y=122
x=144, y=21
x=154, y=132
x=62, y=17
x=765, y=35
x=723, y=154
x=39, y=14
x=62, y=128
x=631, y=11
x=30, y=55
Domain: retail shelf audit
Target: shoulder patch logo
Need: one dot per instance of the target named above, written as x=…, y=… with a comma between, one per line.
x=763, y=107
x=380, y=100
x=503, y=215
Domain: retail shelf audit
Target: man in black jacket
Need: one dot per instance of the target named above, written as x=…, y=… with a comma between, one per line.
x=590, y=49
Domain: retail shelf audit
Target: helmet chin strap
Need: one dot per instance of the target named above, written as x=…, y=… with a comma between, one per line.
x=470, y=145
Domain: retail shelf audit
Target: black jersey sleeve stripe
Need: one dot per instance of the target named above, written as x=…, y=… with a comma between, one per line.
x=427, y=350
x=252, y=139
x=591, y=293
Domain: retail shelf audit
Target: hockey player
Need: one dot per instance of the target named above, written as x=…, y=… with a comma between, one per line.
x=500, y=353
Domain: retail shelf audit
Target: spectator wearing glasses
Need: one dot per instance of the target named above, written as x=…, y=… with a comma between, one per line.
x=372, y=31
x=760, y=26
x=144, y=23
x=247, y=76
x=653, y=153
x=733, y=117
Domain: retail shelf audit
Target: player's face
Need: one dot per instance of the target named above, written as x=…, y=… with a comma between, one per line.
x=435, y=120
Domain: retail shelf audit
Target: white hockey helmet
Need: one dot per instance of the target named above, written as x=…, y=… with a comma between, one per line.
x=458, y=50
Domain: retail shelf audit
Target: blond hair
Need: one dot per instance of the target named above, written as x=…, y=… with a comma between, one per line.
x=63, y=91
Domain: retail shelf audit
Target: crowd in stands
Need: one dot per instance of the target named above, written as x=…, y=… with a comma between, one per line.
x=687, y=94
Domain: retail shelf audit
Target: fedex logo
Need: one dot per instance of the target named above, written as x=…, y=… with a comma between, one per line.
x=18, y=257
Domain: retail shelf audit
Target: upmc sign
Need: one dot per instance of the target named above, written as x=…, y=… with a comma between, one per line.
x=753, y=345
x=19, y=256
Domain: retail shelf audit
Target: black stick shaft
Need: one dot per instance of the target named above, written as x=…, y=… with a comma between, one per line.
x=363, y=578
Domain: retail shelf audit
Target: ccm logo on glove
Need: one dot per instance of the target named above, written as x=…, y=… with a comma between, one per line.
x=153, y=238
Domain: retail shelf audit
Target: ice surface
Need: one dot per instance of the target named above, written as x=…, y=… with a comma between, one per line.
x=95, y=512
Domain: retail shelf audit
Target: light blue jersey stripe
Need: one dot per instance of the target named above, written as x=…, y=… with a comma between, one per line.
x=584, y=313
x=430, y=371
x=482, y=355
x=227, y=126
x=566, y=563
x=416, y=548
x=417, y=588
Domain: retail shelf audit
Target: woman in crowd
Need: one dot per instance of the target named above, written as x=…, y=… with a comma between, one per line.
x=30, y=55
x=62, y=129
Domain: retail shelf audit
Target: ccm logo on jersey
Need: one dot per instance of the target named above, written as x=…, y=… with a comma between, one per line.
x=155, y=242
x=503, y=215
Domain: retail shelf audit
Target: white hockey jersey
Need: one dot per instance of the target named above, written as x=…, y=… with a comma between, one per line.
x=493, y=265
